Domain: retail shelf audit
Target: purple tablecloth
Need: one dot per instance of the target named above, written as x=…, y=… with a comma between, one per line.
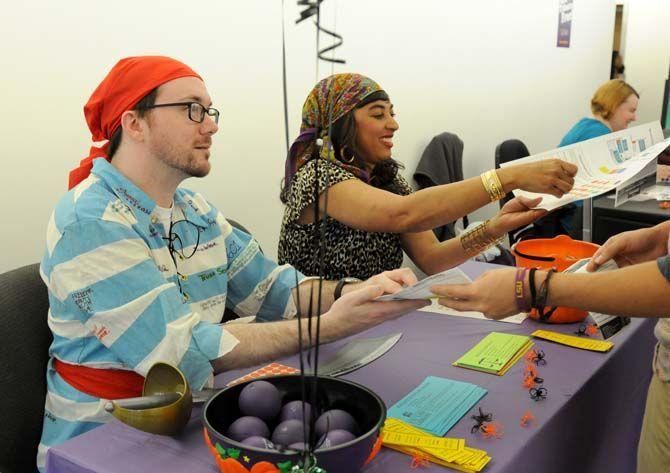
x=590, y=421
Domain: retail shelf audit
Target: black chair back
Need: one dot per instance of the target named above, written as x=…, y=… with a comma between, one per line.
x=510, y=150
x=441, y=163
x=24, y=345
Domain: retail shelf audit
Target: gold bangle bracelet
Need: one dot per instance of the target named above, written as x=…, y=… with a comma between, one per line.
x=492, y=185
x=478, y=239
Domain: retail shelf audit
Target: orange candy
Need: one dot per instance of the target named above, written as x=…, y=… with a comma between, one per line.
x=526, y=418
x=492, y=430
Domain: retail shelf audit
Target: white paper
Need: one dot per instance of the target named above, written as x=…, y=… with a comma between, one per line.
x=580, y=267
x=421, y=290
x=603, y=163
x=437, y=308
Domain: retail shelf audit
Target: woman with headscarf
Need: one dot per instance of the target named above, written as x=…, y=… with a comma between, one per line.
x=372, y=214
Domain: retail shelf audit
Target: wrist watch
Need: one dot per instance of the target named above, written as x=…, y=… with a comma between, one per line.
x=340, y=285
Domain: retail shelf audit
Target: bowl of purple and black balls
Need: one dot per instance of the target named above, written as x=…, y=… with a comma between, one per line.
x=263, y=421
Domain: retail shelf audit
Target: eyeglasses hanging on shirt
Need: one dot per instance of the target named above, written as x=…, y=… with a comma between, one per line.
x=182, y=231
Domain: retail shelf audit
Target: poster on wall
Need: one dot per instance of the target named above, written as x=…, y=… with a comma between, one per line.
x=564, y=23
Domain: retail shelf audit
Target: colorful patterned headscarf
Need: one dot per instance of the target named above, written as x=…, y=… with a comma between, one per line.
x=330, y=99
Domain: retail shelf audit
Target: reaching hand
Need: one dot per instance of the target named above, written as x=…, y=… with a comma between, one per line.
x=492, y=293
x=391, y=281
x=632, y=247
x=549, y=176
x=357, y=310
x=516, y=213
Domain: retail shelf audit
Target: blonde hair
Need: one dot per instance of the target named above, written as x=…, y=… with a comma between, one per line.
x=609, y=96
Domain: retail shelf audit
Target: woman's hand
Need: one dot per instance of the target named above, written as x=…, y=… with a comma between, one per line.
x=492, y=293
x=549, y=176
x=516, y=213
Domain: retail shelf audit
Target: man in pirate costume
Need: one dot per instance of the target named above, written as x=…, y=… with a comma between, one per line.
x=139, y=270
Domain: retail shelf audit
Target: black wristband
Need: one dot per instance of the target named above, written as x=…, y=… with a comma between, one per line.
x=337, y=293
x=543, y=295
x=533, y=291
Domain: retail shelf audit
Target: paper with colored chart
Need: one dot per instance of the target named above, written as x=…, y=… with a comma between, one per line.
x=450, y=452
x=613, y=161
x=421, y=290
x=496, y=353
x=572, y=341
x=437, y=404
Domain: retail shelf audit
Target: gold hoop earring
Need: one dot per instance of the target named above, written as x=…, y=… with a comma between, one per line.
x=350, y=160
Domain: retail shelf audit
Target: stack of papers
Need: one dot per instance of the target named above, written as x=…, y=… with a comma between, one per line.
x=437, y=404
x=449, y=452
x=496, y=353
x=421, y=290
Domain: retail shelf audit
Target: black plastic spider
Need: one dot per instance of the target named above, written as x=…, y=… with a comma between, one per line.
x=539, y=357
x=538, y=394
x=481, y=418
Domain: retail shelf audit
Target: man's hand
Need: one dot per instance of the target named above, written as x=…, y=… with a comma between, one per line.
x=632, y=247
x=358, y=310
x=492, y=293
x=516, y=213
x=390, y=281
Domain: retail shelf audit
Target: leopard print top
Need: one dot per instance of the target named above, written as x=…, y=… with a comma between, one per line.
x=348, y=251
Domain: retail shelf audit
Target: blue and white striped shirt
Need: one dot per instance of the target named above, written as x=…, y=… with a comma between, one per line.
x=118, y=301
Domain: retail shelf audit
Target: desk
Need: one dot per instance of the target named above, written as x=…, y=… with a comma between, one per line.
x=609, y=220
x=590, y=421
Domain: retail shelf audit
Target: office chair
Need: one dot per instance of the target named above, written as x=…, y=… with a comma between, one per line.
x=441, y=163
x=24, y=351
x=510, y=150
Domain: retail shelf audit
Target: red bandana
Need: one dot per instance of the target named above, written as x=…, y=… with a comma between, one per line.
x=129, y=81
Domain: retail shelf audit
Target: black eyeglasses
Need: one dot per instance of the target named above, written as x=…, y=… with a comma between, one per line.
x=196, y=111
x=175, y=243
x=185, y=228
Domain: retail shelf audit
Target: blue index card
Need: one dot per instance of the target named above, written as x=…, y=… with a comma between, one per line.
x=437, y=404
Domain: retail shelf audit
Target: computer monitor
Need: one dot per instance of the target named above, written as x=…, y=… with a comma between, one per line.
x=665, y=113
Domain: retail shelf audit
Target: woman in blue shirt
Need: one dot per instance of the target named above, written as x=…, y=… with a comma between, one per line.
x=614, y=107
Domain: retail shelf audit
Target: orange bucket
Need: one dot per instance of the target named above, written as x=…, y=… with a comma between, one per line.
x=558, y=253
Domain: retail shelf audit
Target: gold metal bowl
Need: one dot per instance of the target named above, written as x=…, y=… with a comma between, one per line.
x=169, y=419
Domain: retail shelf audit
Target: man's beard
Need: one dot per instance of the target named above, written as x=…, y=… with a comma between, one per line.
x=186, y=163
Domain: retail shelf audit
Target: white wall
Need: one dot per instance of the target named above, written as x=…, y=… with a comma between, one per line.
x=486, y=70
x=647, y=53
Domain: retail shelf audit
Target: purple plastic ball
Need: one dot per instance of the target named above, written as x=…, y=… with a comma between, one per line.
x=288, y=432
x=299, y=446
x=335, y=419
x=293, y=410
x=335, y=437
x=246, y=427
x=260, y=399
x=259, y=442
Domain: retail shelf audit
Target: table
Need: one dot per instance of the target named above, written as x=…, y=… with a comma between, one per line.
x=609, y=220
x=590, y=421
